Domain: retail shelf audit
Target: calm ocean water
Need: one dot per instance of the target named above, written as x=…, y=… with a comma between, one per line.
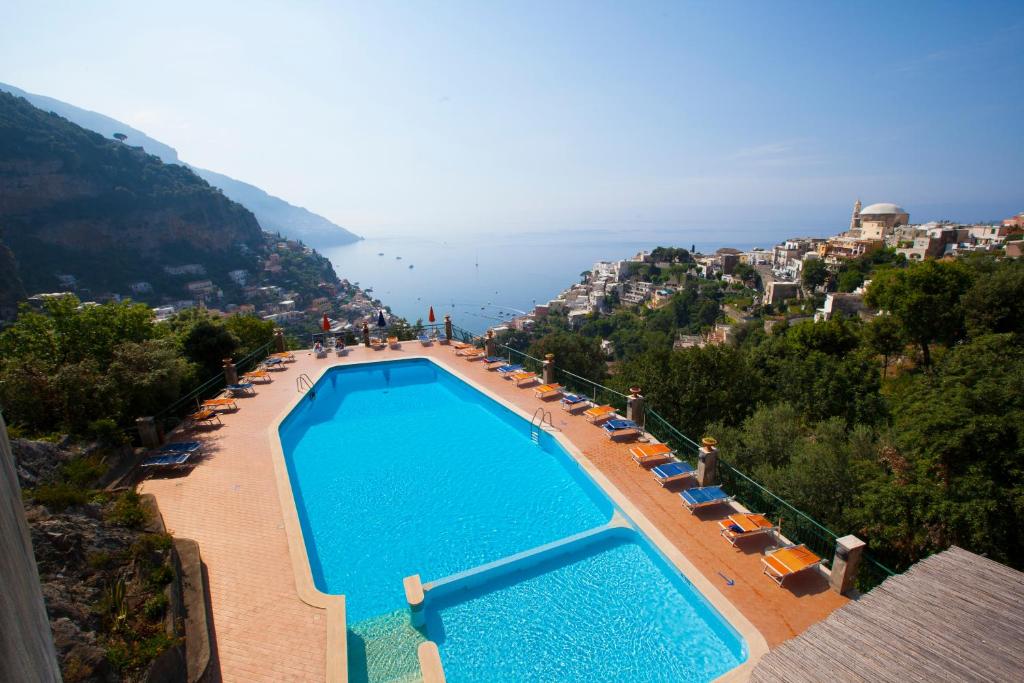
x=483, y=279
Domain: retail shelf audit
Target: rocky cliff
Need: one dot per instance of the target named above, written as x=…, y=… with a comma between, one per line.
x=108, y=214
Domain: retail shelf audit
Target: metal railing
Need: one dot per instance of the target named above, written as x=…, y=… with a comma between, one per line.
x=171, y=415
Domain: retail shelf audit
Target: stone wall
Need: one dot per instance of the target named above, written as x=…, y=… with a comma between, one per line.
x=26, y=644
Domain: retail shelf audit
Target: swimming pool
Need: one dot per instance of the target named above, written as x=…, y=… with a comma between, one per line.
x=400, y=468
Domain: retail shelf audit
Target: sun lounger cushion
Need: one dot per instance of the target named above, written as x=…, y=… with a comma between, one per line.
x=573, y=399
x=704, y=496
x=508, y=369
x=169, y=460
x=494, y=359
x=616, y=425
x=672, y=470
x=180, y=447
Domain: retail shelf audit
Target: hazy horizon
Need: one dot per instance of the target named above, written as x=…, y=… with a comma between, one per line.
x=392, y=120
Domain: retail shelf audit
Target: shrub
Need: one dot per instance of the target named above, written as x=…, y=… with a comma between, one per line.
x=106, y=432
x=127, y=511
x=155, y=607
x=59, y=496
x=84, y=471
x=161, y=576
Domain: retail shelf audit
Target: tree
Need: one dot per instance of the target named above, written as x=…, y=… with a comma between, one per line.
x=925, y=299
x=579, y=355
x=884, y=336
x=995, y=303
x=252, y=332
x=120, y=137
x=207, y=343
x=814, y=274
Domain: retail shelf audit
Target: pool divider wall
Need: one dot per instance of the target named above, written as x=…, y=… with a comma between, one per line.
x=337, y=654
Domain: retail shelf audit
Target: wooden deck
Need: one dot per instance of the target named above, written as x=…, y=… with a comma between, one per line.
x=954, y=616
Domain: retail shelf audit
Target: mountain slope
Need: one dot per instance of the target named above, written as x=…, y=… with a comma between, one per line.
x=73, y=203
x=273, y=213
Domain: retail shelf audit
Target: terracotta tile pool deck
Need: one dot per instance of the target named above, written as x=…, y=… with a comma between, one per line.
x=263, y=631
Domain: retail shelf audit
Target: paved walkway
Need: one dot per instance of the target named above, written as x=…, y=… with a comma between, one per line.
x=263, y=631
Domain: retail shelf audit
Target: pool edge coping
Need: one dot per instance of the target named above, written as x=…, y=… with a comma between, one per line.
x=337, y=649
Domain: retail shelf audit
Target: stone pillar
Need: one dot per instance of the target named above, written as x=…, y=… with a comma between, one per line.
x=846, y=562
x=26, y=644
x=635, y=406
x=448, y=327
x=490, y=347
x=230, y=372
x=414, y=596
x=148, y=432
x=549, y=368
x=279, y=339
x=707, y=462
x=366, y=335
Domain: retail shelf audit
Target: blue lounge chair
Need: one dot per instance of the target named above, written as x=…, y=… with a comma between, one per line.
x=509, y=369
x=166, y=461
x=616, y=428
x=571, y=402
x=424, y=339
x=672, y=471
x=180, y=447
x=490, y=360
x=704, y=496
x=241, y=388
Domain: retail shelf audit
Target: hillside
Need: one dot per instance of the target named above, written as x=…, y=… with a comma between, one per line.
x=273, y=213
x=78, y=208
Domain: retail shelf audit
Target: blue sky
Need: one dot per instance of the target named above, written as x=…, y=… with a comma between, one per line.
x=420, y=116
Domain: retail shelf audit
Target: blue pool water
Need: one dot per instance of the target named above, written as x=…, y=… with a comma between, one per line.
x=610, y=611
x=401, y=468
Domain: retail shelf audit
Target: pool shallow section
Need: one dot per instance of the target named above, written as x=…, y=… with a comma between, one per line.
x=605, y=607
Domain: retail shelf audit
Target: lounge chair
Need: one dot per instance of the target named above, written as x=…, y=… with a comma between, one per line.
x=285, y=356
x=704, y=496
x=168, y=461
x=424, y=339
x=599, y=413
x=651, y=453
x=205, y=416
x=786, y=562
x=494, y=362
x=745, y=525
x=393, y=342
x=621, y=429
x=506, y=370
x=673, y=471
x=470, y=351
x=190, y=447
x=458, y=346
x=548, y=391
x=521, y=378
x=257, y=375
x=339, y=348
x=273, y=364
x=571, y=402
x=376, y=342
x=241, y=388
x=220, y=403
x=473, y=355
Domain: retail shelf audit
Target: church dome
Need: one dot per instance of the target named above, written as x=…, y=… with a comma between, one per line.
x=883, y=209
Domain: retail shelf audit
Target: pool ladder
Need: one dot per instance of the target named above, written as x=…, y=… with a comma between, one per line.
x=537, y=423
x=303, y=384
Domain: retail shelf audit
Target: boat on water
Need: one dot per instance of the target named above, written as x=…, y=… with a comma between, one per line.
x=398, y=258
x=368, y=290
x=380, y=253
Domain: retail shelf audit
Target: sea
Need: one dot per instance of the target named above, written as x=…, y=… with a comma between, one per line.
x=484, y=279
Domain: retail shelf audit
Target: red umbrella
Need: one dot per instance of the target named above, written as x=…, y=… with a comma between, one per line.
x=326, y=324
x=431, y=317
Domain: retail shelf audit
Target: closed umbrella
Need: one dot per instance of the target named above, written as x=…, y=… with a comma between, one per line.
x=381, y=323
x=325, y=324
x=431, y=317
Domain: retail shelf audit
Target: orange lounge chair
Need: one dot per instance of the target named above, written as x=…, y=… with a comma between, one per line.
x=521, y=378
x=468, y=350
x=205, y=416
x=458, y=346
x=473, y=354
x=261, y=375
x=392, y=342
x=598, y=413
x=651, y=454
x=745, y=525
x=225, y=403
x=548, y=391
x=785, y=562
